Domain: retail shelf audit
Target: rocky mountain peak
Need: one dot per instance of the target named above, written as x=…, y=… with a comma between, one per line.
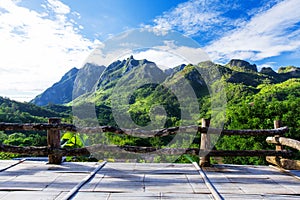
x=289, y=69
x=72, y=72
x=268, y=71
x=242, y=64
x=132, y=63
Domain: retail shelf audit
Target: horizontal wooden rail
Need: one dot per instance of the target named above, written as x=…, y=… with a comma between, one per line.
x=263, y=132
x=259, y=153
x=36, y=127
x=33, y=151
x=184, y=129
x=284, y=141
x=45, y=151
x=139, y=132
x=283, y=162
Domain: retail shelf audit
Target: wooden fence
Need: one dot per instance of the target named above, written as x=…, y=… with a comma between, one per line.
x=55, y=152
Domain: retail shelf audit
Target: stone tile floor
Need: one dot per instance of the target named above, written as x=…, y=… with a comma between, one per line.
x=39, y=180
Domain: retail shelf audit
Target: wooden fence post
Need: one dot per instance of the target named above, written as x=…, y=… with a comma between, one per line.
x=277, y=124
x=205, y=144
x=53, y=139
x=277, y=160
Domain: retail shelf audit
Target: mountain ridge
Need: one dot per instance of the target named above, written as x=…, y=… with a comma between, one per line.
x=59, y=92
x=69, y=86
x=105, y=77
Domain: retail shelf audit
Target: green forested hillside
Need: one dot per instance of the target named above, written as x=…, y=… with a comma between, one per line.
x=13, y=111
x=17, y=112
x=258, y=110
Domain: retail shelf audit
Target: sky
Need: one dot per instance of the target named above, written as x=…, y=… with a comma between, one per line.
x=40, y=40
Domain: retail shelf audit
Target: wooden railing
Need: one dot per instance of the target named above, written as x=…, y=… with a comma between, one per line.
x=205, y=143
x=283, y=162
x=55, y=152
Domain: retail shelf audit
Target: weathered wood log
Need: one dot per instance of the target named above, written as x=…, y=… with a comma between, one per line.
x=290, y=164
x=30, y=151
x=263, y=132
x=284, y=163
x=138, y=132
x=284, y=141
x=277, y=124
x=204, y=160
x=36, y=127
x=53, y=140
x=259, y=153
x=45, y=151
x=136, y=149
x=175, y=130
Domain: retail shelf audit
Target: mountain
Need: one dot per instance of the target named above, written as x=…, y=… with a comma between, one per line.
x=73, y=84
x=118, y=69
x=58, y=93
x=268, y=71
x=102, y=80
x=242, y=64
x=289, y=72
x=289, y=69
x=86, y=79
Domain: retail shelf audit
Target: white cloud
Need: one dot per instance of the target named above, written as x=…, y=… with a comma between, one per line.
x=268, y=33
x=163, y=56
x=169, y=50
x=253, y=32
x=197, y=16
x=38, y=47
x=58, y=7
x=186, y=17
x=163, y=59
x=162, y=50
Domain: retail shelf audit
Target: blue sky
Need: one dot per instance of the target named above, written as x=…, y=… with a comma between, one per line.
x=42, y=39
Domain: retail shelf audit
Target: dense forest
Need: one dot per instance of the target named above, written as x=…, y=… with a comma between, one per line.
x=254, y=100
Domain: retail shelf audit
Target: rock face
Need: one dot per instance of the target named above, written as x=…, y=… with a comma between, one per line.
x=268, y=71
x=118, y=69
x=171, y=71
x=289, y=69
x=242, y=64
x=86, y=79
x=58, y=93
x=73, y=84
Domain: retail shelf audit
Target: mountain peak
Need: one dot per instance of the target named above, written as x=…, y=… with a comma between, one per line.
x=72, y=72
x=242, y=64
x=60, y=92
x=268, y=71
x=132, y=63
x=288, y=69
x=74, y=83
x=131, y=57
